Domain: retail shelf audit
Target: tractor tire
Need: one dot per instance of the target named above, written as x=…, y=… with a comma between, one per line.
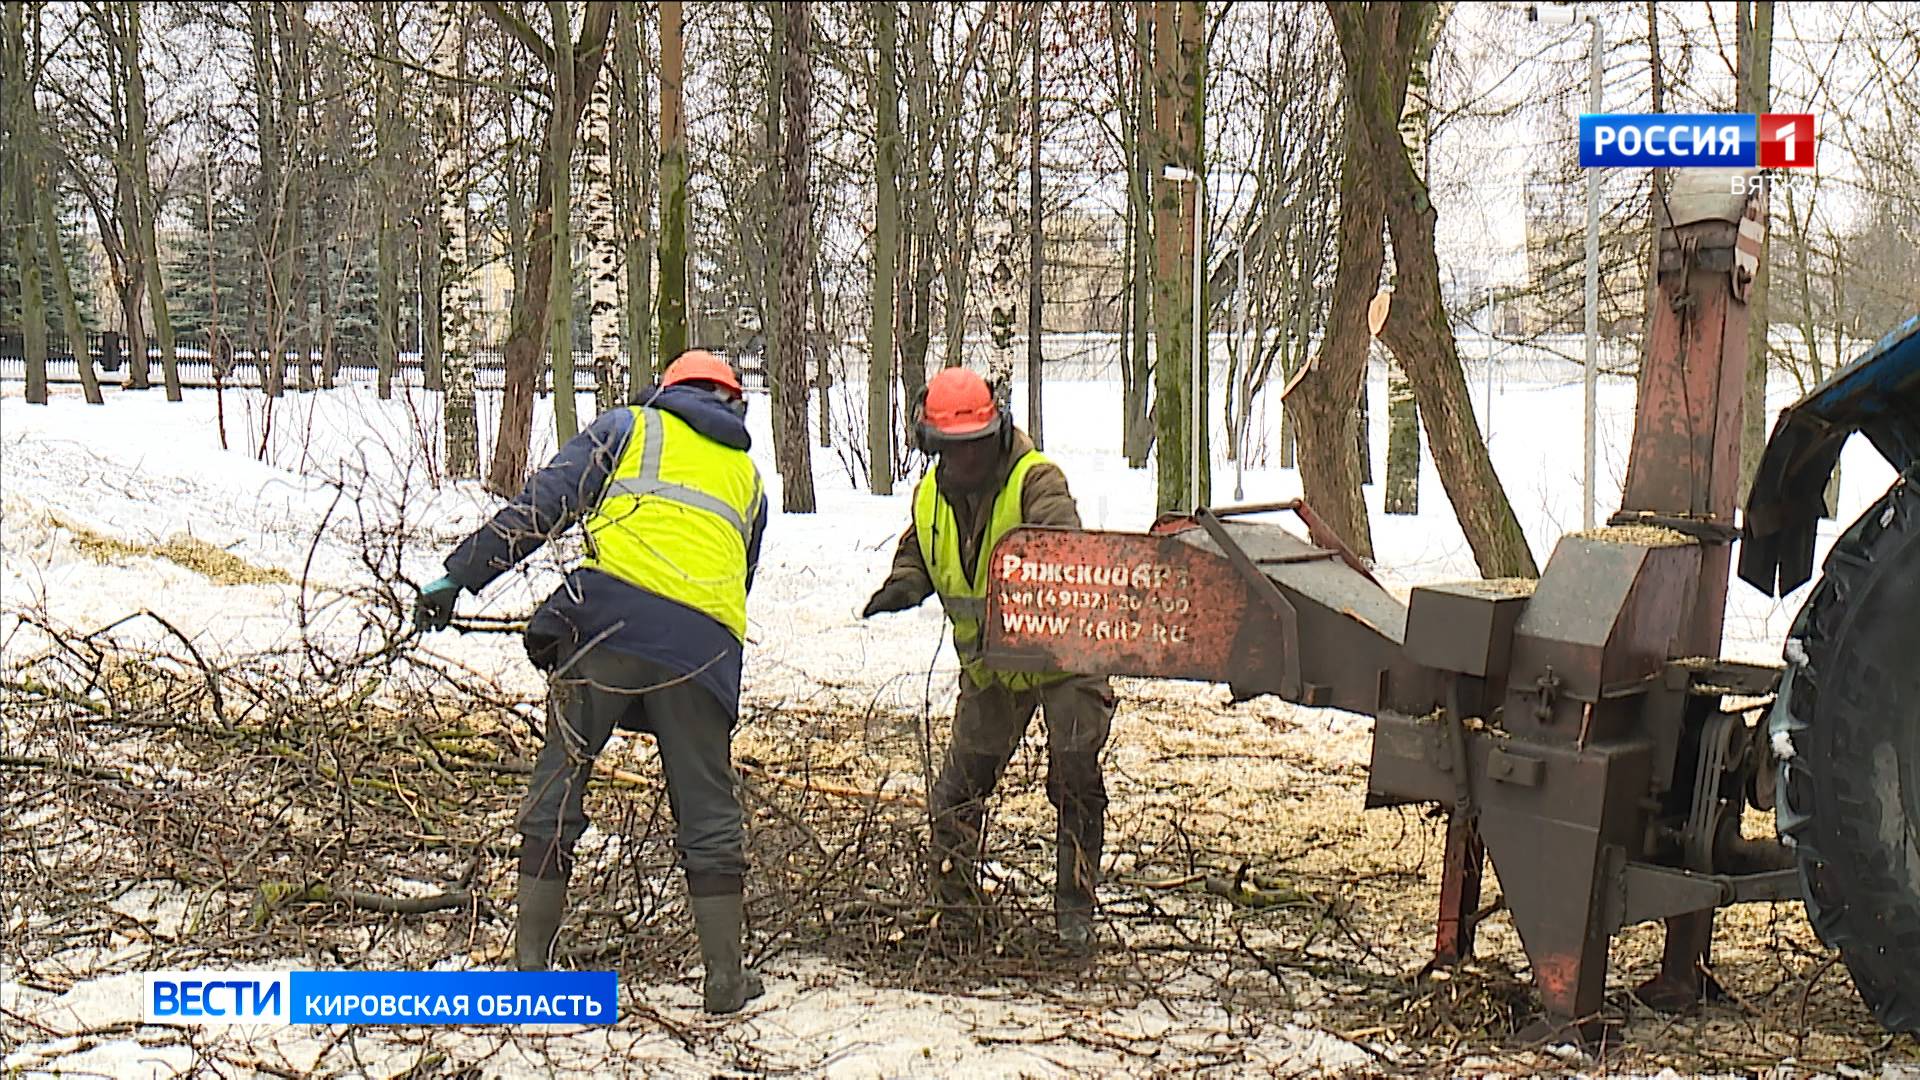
x=1846, y=732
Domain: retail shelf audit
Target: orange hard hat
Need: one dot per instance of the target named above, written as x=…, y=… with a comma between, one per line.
x=959, y=405
x=699, y=365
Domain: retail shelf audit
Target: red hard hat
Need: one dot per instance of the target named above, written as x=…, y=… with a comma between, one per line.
x=959, y=405
x=699, y=365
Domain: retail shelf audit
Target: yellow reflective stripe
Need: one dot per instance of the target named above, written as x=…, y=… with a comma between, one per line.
x=648, y=482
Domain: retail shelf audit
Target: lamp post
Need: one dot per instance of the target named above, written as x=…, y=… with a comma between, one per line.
x=1194, y=443
x=1564, y=15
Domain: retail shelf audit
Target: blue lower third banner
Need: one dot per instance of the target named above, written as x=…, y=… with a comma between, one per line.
x=382, y=997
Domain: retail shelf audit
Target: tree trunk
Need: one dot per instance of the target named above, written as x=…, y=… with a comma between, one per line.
x=386, y=176
x=1320, y=404
x=530, y=319
x=1402, y=494
x=566, y=422
x=769, y=209
x=886, y=240
x=146, y=204
x=1756, y=94
x=673, y=188
x=31, y=170
x=603, y=249
x=921, y=213
x=1377, y=48
x=822, y=372
x=1650, y=291
x=1003, y=217
x=1036, y=244
x=1140, y=204
x=637, y=166
x=303, y=194
x=62, y=282
x=267, y=227
x=1180, y=373
x=960, y=237
x=459, y=415
x=130, y=279
x=21, y=179
x=796, y=252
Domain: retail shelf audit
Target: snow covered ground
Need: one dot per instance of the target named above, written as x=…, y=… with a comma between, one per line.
x=142, y=472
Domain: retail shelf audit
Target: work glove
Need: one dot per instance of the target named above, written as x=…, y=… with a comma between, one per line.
x=434, y=609
x=898, y=596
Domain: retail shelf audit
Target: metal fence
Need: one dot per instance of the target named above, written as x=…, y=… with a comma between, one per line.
x=242, y=369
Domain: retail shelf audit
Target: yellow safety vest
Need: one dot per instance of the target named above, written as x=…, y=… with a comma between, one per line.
x=676, y=518
x=964, y=598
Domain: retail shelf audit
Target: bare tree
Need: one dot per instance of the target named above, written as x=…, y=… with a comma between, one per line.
x=386, y=80
x=20, y=168
x=604, y=248
x=531, y=321
x=886, y=241
x=1137, y=367
x=1402, y=495
x=1378, y=42
x=1180, y=104
x=1754, y=34
x=1036, y=242
x=673, y=186
x=1003, y=215
x=796, y=257
x=461, y=428
x=146, y=206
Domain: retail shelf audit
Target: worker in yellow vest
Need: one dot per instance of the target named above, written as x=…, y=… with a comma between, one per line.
x=645, y=635
x=988, y=480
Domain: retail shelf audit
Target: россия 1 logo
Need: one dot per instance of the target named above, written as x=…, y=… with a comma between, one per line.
x=1694, y=140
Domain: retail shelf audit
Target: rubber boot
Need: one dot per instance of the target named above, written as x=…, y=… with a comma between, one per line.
x=959, y=811
x=543, y=903
x=1075, y=784
x=718, y=921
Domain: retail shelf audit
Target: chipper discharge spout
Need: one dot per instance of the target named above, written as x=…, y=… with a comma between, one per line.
x=1578, y=729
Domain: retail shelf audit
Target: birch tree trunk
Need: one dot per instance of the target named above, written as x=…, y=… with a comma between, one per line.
x=1003, y=310
x=603, y=248
x=886, y=240
x=461, y=428
x=673, y=188
x=796, y=258
x=1036, y=244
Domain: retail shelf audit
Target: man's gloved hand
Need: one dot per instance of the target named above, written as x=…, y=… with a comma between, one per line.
x=898, y=596
x=434, y=609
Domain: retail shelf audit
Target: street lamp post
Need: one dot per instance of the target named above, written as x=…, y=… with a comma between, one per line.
x=1194, y=442
x=1561, y=15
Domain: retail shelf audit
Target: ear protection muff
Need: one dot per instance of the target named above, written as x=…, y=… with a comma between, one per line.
x=922, y=434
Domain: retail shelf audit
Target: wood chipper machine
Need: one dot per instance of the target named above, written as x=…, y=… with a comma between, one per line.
x=1581, y=730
